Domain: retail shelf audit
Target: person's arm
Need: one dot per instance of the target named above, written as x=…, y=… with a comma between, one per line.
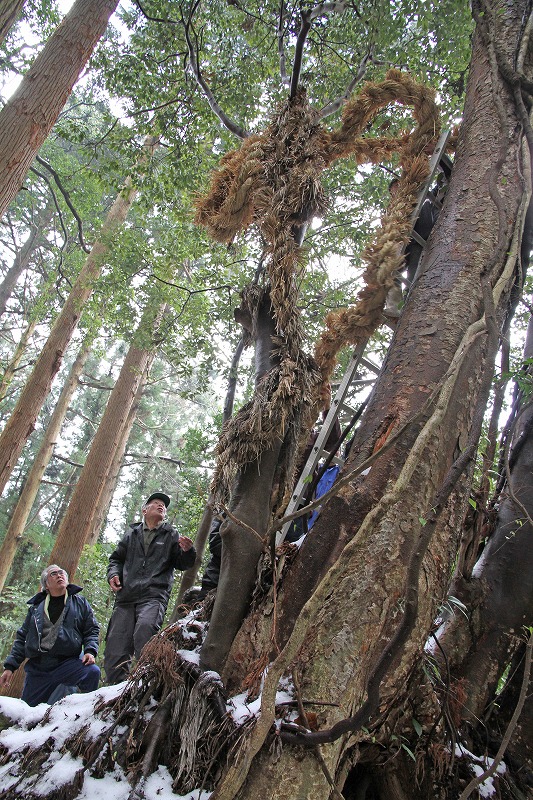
x=116, y=563
x=184, y=553
x=90, y=632
x=18, y=651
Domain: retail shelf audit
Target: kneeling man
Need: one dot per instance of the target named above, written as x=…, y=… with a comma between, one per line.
x=59, y=625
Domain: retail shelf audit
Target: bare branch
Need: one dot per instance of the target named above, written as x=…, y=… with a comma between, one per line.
x=281, y=46
x=67, y=199
x=334, y=106
x=231, y=126
x=307, y=18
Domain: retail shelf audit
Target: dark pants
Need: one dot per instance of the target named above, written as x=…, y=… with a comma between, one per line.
x=44, y=675
x=130, y=627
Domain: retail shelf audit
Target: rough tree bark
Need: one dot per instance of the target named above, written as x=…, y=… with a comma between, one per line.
x=22, y=421
x=8, y=15
x=29, y=115
x=363, y=551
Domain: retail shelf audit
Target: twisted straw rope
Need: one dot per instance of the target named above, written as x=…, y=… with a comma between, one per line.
x=273, y=180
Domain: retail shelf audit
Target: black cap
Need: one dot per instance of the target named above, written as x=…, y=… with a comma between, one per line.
x=158, y=496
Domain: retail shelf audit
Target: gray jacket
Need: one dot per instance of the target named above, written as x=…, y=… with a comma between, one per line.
x=148, y=575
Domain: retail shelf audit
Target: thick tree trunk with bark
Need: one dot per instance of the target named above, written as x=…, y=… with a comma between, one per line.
x=28, y=117
x=395, y=530
x=22, y=421
x=78, y=520
x=22, y=510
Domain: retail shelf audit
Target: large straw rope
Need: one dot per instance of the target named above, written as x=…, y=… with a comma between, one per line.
x=273, y=180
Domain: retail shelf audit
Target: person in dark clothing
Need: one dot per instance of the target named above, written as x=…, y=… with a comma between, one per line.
x=413, y=252
x=60, y=624
x=212, y=571
x=141, y=573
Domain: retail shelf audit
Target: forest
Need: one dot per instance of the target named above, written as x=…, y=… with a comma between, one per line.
x=229, y=231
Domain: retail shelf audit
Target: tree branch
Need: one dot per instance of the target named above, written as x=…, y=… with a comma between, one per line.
x=281, y=46
x=307, y=18
x=67, y=199
x=231, y=126
x=334, y=106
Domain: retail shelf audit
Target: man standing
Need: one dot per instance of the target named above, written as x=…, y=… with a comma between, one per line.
x=59, y=623
x=141, y=572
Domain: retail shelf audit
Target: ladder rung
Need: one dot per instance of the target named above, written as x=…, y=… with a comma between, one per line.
x=416, y=236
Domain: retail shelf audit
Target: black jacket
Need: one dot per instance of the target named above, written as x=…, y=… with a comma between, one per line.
x=148, y=575
x=78, y=630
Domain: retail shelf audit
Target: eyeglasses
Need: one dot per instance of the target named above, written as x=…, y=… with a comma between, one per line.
x=56, y=572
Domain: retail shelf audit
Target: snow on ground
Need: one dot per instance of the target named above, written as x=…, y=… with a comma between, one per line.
x=66, y=718
x=478, y=765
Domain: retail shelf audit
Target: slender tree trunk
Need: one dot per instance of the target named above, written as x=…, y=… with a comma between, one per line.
x=189, y=576
x=31, y=486
x=22, y=421
x=12, y=367
x=78, y=520
x=9, y=11
x=24, y=255
x=28, y=117
x=111, y=479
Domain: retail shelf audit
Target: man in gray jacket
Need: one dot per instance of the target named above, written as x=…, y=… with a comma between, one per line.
x=140, y=573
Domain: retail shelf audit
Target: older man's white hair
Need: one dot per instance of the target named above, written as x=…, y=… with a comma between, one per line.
x=46, y=571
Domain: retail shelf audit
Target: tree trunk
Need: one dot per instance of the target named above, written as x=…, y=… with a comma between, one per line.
x=78, y=520
x=9, y=12
x=189, y=576
x=12, y=367
x=29, y=115
x=499, y=595
x=250, y=504
x=31, y=485
x=22, y=421
x=111, y=480
x=24, y=255
x=381, y=552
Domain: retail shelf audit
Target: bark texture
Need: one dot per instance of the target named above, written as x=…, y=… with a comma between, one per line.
x=28, y=117
x=9, y=12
